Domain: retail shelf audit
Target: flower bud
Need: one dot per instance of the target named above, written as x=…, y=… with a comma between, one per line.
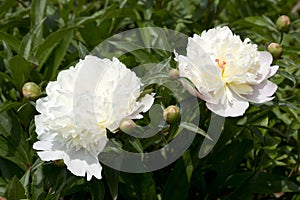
x=31, y=91
x=276, y=50
x=3, y=198
x=127, y=125
x=173, y=73
x=283, y=23
x=59, y=163
x=171, y=114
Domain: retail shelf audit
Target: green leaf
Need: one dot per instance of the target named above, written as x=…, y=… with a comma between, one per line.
x=10, y=40
x=281, y=115
x=261, y=182
x=25, y=180
x=15, y=190
x=224, y=165
x=37, y=11
x=14, y=146
x=57, y=57
x=178, y=183
x=138, y=186
x=37, y=183
x=261, y=21
x=30, y=41
x=83, y=51
x=19, y=69
x=44, y=50
x=8, y=105
x=287, y=76
x=7, y=53
x=9, y=169
x=97, y=189
x=5, y=6
x=112, y=178
x=136, y=143
x=195, y=129
x=3, y=186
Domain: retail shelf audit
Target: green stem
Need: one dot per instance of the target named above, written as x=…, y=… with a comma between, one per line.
x=281, y=38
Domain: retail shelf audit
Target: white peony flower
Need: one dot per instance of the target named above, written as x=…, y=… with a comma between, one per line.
x=87, y=99
x=227, y=72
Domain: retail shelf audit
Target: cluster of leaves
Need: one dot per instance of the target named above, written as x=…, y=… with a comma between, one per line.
x=257, y=155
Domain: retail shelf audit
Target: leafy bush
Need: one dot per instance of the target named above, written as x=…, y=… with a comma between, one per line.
x=257, y=155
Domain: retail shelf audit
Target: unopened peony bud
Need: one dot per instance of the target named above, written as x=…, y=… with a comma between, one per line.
x=283, y=23
x=127, y=125
x=59, y=162
x=31, y=91
x=174, y=73
x=276, y=50
x=171, y=114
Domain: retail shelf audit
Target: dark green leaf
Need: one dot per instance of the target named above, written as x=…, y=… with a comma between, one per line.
x=15, y=190
x=178, y=183
x=37, y=11
x=5, y=6
x=112, y=177
x=3, y=186
x=194, y=128
x=138, y=186
x=83, y=51
x=57, y=57
x=10, y=40
x=30, y=41
x=8, y=105
x=261, y=182
x=45, y=49
x=97, y=189
x=19, y=69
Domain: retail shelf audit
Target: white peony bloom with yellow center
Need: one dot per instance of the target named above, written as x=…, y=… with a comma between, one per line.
x=227, y=72
x=80, y=106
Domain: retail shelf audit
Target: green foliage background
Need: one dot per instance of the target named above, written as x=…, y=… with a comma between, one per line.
x=257, y=156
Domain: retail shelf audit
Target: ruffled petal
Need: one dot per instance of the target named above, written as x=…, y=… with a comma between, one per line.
x=80, y=162
x=266, y=70
x=235, y=108
x=262, y=92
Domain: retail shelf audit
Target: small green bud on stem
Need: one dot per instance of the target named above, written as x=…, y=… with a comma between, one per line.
x=276, y=50
x=171, y=114
x=59, y=163
x=174, y=73
x=127, y=125
x=283, y=23
x=31, y=91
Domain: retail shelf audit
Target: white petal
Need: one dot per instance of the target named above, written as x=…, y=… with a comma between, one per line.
x=234, y=109
x=78, y=162
x=265, y=58
x=142, y=106
x=81, y=163
x=272, y=71
x=266, y=70
x=262, y=92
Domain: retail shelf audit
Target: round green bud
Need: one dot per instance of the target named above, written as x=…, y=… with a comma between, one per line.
x=276, y=50
x=171, y=114
x=174, y=73
x=59, y=162
x=31, y=91
x=127, y=125
x=283, y=23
